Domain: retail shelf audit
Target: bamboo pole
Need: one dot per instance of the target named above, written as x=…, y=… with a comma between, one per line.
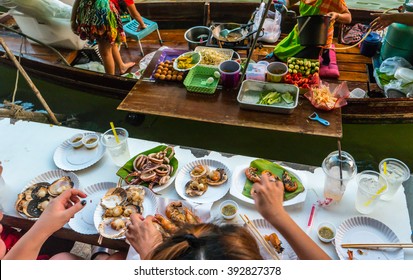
x=29, y=81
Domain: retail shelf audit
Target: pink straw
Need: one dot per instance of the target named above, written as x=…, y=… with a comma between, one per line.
x=311, y=218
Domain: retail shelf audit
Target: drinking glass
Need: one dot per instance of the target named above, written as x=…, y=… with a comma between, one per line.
x=371, y=186
x=119, y=151
x=396, y=173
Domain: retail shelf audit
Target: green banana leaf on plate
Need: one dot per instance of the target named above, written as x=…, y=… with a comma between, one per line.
x=127, y=168
x=261, y=165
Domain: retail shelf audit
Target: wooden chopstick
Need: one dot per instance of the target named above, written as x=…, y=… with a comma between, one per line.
x=377, y=245
x=100, y=239
x=270, y=250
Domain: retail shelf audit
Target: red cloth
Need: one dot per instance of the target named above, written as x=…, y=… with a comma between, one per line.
x=331, y=70
x=10, y=237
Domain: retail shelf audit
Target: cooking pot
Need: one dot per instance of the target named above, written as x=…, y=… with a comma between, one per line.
x=235, y=36
x=313, y=30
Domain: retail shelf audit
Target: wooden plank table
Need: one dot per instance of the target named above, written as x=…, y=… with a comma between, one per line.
x=171, y=99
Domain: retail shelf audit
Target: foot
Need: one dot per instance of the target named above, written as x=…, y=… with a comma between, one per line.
x=127, y=67
x=141, y=27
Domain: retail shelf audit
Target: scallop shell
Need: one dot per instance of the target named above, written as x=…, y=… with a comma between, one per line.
x=107, y=227
x=113, y=198
x=60, y=185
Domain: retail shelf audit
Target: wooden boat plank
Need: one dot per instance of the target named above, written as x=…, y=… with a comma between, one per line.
x=171, y=99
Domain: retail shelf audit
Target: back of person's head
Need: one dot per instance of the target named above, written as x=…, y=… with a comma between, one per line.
x=208, y=242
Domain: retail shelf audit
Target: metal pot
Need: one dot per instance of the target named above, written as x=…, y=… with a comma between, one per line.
x=235, y=36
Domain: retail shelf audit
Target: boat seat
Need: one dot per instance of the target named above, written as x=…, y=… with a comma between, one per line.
x=131, y=27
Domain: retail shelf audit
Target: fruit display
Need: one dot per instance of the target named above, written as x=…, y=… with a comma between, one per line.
x=304, y=66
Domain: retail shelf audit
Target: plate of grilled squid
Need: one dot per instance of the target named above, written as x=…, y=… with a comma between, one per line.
x=203, y=181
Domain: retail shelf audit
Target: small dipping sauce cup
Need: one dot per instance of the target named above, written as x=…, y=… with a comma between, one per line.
x=326, y=232
x=276, y=72
x=228, y=209
x=90, y=140
x=76, y=140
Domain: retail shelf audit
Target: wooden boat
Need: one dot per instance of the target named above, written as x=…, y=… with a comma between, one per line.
x=41, y=62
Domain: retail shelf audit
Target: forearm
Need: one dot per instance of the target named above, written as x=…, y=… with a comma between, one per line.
x=404, y=18
x=344, y=18
x=29, y=245
x=302, y=244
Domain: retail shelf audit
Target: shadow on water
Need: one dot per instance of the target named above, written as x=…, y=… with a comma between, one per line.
x=369, y=144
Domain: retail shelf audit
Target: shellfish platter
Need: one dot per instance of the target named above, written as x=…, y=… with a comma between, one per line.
x=117, y=204
x=83, y=222
x=69, y=158
x=203, y=181
x=241, y=185
x=37, y=194
x=155, y=168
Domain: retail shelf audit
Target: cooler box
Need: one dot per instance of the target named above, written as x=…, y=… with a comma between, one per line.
x=56, y=33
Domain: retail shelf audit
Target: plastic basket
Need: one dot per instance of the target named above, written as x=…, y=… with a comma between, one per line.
x=195, y=81
x=225, y=54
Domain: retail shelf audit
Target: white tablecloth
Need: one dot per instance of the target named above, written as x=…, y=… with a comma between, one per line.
x=27, y=148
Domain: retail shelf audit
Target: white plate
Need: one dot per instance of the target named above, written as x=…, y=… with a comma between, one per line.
x=213, y=193
x=238, y=183
x=68, y=158
x=83, y=222
x=51, y=176
x=266, y=229
x=367, y=230
x=149, y=208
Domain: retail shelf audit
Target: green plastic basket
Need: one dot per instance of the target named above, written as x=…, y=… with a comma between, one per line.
x=196, y=79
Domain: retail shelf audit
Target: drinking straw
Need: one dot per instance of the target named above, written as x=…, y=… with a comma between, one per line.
x=311, y=219
x=341, y=163
x=385, y=168
x=114, y=132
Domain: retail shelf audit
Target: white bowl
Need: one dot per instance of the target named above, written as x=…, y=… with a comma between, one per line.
x=323, y=227
x=91, y=140
x=76, y=140
x=228, y=204
x=196, y=59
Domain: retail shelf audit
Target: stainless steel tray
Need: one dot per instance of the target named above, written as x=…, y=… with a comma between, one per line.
x=250, y=91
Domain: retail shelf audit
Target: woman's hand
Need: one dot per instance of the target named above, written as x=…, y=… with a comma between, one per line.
x=61, y=209
x=142, y=235
x=334, y=16
x=382, y=21
x=269, y=197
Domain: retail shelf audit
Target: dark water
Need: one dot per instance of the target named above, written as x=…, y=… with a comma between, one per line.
x=368, y=144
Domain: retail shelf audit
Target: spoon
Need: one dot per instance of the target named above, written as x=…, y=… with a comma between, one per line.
x=224, y=32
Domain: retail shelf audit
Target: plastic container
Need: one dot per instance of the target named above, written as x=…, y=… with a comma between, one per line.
x=370, y=45
x=197, y=36
x=250, y=93
x=197, y=80
x=276, y=72
x=56, y=33
x=404, y=74
x=397, y=42
x=76, y=140
x=357, y=93
x=326, y=232
x=256, y=71
x=314, y=29
x=228, y=209
x=90, y=141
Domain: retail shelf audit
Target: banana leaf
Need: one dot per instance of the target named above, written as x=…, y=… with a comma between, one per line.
x=261, y=165
x=127, y=168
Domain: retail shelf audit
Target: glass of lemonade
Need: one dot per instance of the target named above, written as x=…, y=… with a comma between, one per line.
x=371, y=186
x=335, y=183
x=396, y=173
x=119, y=151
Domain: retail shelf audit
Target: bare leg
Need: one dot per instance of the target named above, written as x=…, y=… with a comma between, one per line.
x=123, y=67
x=65, y=256
x=105, y=49
x=115, y=256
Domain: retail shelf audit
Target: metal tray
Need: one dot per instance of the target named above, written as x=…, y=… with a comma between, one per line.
x=249, y=95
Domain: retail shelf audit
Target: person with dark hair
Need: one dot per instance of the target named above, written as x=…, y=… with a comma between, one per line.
x=225, y=242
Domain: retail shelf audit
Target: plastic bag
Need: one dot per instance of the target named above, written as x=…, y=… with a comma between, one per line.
x=336, y=99
x=43, y=10
x=390, y=65
x=271, y=26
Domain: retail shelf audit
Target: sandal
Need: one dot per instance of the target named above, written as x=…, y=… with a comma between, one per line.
x=96, y=250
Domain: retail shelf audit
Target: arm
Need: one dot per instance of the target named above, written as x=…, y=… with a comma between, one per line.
x=2, y=245
x=343, y=17
x=59, y=211
x=136, y=15
x=268, y=197
x=142, y=235
x=384, y=20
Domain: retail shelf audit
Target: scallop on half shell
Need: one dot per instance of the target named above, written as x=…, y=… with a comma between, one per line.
x=113, y=227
